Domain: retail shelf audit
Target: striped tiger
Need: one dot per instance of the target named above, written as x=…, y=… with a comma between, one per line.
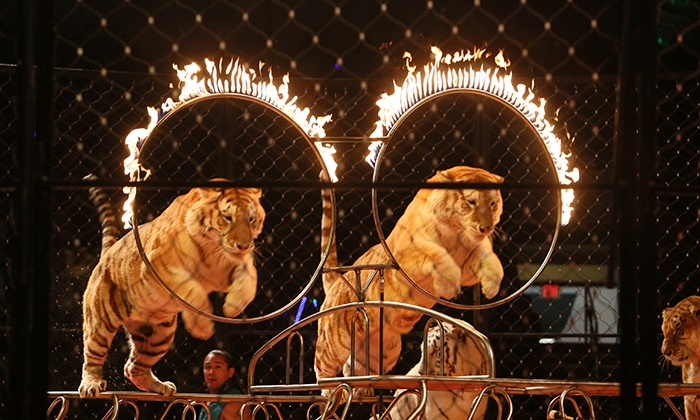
x=203, y=242
x=463, y=357
x=442, y=242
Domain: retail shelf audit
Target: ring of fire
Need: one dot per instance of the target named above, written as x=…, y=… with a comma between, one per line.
x=418, y=89
x=236, y=82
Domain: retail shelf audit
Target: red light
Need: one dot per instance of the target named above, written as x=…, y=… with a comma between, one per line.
x=550, y=290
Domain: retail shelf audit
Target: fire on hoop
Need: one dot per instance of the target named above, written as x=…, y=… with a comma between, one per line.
x=442, y=75
x=218, y=78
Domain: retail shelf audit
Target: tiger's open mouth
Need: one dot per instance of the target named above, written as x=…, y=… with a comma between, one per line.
x=677, y=360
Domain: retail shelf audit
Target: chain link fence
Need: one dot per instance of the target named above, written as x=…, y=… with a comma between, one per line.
x=113, y=59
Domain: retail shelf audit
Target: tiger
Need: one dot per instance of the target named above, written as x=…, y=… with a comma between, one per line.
x=442, y=241
x=681, y=345
x=463, y=357
x=203, y=241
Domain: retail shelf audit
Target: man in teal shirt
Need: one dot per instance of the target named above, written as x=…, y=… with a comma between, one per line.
x=218, y=369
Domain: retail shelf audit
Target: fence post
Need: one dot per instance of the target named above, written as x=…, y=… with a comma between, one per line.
x=634, y=148
x=29, y=322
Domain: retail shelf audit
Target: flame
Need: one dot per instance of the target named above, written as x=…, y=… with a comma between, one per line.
x=442, y=75
x=217, y=78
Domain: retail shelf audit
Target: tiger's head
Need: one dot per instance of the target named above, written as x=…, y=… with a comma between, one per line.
x=681, y=329
x=462, y=354
x=476, y=211
x=229, y=217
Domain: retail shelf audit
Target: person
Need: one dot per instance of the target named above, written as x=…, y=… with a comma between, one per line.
x=218, y=370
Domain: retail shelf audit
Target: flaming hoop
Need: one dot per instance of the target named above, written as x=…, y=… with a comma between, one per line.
x=236, y=79
x=218, y=80
x=449, y=73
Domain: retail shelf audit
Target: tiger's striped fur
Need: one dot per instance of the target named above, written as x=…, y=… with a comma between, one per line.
x=442, y=242
x=463, y=357
x=202, y=242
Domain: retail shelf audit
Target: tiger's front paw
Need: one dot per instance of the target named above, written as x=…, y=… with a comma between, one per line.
x=447, y=282
x=233, y=309
x=490, y=275
x=199, y=327
x=166, y=388
x=91, y=387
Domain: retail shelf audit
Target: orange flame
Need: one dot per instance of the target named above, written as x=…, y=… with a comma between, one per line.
x=440, y=76
x=234, y=78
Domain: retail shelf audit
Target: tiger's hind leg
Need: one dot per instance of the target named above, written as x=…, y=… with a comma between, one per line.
x=331, y=353
x=149, y=343
x=98, y=333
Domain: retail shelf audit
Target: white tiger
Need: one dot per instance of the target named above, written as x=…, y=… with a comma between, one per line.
x=463, y=357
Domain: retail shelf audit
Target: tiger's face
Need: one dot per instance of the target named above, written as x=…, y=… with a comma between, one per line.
x=477, y=211
x=681, y=331
x=232, y=217
x=462, y=356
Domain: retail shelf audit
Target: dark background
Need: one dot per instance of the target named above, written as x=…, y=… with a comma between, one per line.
x=76, y=78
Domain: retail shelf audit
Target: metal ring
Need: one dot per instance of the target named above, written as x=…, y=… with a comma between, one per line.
x=325, y=252
x=377, y=221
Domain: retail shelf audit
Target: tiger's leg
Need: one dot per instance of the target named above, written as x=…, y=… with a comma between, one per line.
x=199, y=326
x=483, y=266
x=390, y=349
x=331, y=353
x=149, y=343
x=242, y=289
x=99, y=330
x=432, y=261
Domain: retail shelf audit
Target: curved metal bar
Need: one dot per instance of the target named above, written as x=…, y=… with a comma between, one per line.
x=385, y=415
x=63, y=412
x=114, y=410
x=263, y=406
x=321, y=405
x=360, y=311
x=369, y=304
x=377, y=221
x=493, y=389
x=567, y=395
x=324, y=256
x=334, y=400
x=418, y=412
x=259, y=407
x=205, y=406
x=188, y=406
x=289, y=355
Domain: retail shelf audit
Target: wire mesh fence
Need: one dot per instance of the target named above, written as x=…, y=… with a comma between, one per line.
x=114, y=59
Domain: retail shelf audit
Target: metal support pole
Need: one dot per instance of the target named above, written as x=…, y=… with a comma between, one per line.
x=634, y=148
x=28, y=356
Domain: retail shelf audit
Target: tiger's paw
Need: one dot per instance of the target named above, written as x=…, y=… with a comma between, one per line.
x=198, y=326
x=362, y=392
x=166, y=388
x=233, y=309
x=447, y=282
x=490, y=274
x=91, y=387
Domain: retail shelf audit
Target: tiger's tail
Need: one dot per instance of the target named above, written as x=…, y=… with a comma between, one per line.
x=108, y=215
x=326, y=227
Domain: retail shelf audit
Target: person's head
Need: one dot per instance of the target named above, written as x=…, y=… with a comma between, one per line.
x=218, y=369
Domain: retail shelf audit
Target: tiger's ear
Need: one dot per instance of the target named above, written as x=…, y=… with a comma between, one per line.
x=694, y=303
x=255, y=192
x=441, y=176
